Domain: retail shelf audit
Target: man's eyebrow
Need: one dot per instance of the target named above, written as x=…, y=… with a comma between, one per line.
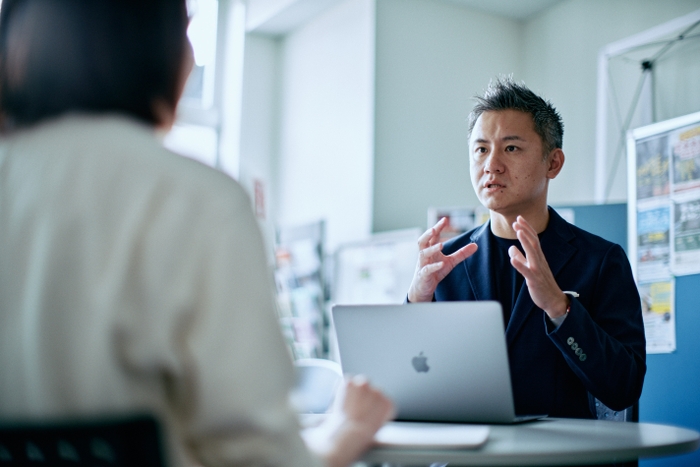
x=505, y=138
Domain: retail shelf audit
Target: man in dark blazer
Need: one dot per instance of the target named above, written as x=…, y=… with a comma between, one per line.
x=572, y=312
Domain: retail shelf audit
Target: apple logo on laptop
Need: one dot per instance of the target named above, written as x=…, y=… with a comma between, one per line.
x=420, y=363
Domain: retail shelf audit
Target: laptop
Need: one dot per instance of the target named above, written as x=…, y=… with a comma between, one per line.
x=438, y=361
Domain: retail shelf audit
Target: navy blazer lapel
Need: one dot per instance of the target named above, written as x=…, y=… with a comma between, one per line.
x=477, y=266
x=558, y=251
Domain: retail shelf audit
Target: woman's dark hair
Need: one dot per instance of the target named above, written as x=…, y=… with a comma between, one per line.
x=58, y=56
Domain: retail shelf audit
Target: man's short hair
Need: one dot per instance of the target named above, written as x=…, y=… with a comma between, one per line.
x=505, y=94
x=59, y=56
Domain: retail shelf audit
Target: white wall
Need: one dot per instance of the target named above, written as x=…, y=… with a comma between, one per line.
x=432, y=58
x=371, y=149
x=259, y=124
x=326, y=123
x=260, y=11
x=560, y=48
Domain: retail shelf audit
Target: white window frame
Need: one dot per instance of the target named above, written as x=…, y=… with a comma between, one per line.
x=224, y=115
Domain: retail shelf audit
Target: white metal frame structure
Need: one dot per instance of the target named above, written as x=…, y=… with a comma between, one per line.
x=615, y=49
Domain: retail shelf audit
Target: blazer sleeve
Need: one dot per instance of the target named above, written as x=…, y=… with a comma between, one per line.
x=604, y=344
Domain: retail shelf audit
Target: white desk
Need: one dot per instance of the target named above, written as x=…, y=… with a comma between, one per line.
x=554, y=442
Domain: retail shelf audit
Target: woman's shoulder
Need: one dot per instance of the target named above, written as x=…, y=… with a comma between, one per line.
x=119, y=145
x=112, y=156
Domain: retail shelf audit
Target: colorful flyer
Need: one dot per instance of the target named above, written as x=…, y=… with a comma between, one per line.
x=686, y=235
x=654, y=242
x=685, y=145
x=653, y=167
x=659, y=316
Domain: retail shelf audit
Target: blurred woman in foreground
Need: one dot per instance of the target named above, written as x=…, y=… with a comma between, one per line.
x=133, y=279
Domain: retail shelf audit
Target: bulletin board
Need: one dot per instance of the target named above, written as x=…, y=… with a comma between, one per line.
x=664, y=219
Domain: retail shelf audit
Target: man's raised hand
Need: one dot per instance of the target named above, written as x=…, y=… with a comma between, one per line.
x=433, y=265
x=543, y=288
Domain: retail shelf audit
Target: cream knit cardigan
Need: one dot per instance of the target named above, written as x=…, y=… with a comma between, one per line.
x=135, y=279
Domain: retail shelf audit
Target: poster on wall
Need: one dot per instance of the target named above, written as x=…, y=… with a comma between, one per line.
x=654, y=242
x=659, y=316
x=664, y=218
x=652, y=172
x=686, y=236
x=685, y=144
x=685, y=148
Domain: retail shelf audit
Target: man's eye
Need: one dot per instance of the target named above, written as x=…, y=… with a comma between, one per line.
x=480, y=150
x=511, y=148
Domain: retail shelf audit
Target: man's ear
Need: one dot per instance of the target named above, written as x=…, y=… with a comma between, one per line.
x=555, y=161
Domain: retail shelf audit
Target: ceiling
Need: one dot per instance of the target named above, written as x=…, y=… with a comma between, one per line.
x=293, y=13
x=515, y=9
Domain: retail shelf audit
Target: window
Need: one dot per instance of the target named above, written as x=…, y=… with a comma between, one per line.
x=196, y=132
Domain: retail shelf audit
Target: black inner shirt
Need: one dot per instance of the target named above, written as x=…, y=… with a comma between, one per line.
x=507, y=279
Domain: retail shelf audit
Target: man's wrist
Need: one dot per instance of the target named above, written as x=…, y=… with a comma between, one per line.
x=561, y=308
x=414, y=299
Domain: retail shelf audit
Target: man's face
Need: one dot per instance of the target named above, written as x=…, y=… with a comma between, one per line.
x=508, y=171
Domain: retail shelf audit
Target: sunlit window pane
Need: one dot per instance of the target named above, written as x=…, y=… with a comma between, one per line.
x=199, y=90
x=193, y=141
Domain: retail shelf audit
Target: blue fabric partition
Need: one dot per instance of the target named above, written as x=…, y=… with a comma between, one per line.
x=671, y=392
x=605, y=220
x=672, y=386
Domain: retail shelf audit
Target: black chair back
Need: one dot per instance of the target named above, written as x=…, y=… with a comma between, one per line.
x=133, y=441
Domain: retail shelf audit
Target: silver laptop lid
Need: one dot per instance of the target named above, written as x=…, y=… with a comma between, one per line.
x=439, y=361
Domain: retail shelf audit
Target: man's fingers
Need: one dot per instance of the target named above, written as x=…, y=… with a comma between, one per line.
x=431, y=269
x=431, y=235
x=518, y=261
x=426, y=255
x=463, y=253
x=424, y=239
x=524, y=264
x=529, y=244
x=528, y=239
x=516, y=254
x=533, y=251
x=452, y=260
x=523, y=228
x=522, y=224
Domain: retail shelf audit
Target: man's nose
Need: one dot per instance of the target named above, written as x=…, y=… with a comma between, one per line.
x=494, y=163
